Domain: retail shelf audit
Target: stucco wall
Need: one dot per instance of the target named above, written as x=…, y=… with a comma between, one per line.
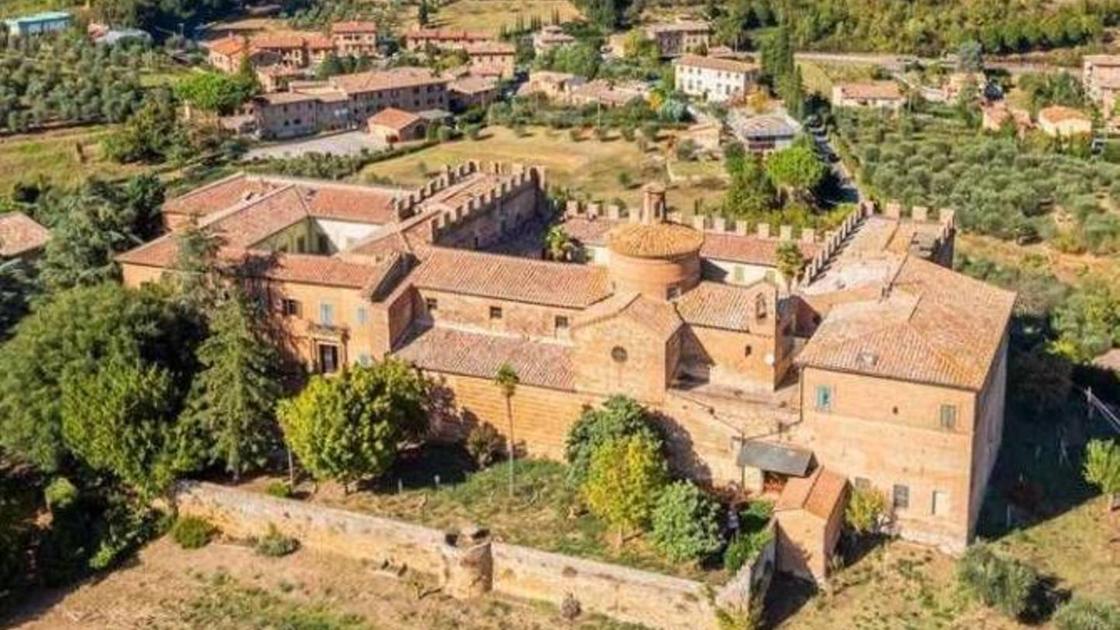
x=626, y=594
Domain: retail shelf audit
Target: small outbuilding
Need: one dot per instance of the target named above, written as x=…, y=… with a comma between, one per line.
x=396, y=125
x=809, y=514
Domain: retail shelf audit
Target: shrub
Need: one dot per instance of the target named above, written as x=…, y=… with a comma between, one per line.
x=744, y=547
x=274, y=544
x=618, y=417
x=998, y=582
x=474, y=131
x=60, y=493
x=574, y=135
x=623, y=481
x=1102, y=465
x=485, y=444
x=279, y=489
x=864, y=509
x=444, y=134
x=756, y=515
x=625, y=180
x=192, y=532
x=685, y=523
x=1086, y=614
x=686, y=150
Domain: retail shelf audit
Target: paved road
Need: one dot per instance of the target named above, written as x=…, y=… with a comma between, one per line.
x=346, y=143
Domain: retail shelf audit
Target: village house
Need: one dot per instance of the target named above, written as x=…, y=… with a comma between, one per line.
x=21, y=237
x=550, y=85
x=763, y=133
x=994, y=116
x=354, y=39
x=607, y=93
x=881, y=367
x=419, y=39
x=1061, y=121
x=674, y=39
x=491, y=59
x=344, y=101
x=714, y=79
x=471, y=91
x=1100, y=75
x=549, y=38
x=880, y=94
x=393, y=125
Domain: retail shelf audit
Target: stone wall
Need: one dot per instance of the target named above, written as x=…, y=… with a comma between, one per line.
x=626, y=594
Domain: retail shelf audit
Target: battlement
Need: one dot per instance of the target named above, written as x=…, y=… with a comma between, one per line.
x=445, y=217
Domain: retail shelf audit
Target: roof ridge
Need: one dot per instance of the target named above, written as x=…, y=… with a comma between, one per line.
x=213, y=184
x=225, y=213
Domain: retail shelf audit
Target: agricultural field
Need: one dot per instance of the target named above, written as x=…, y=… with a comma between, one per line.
x=63, y=157
x=492, y=15
x=589, y=168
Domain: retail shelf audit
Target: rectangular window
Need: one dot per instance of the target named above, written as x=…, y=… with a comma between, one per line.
x=289, y=307
x=561, y=322
x=824, y=398
x=940, y=503
x=326, y=314
x=901, y=497
x=948, y=417
x=363, y=315
x=431, y=304
x=495, y=312
x=324, y=244
x=328, y=358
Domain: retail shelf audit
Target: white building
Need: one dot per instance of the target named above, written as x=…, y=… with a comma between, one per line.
x=714, y=79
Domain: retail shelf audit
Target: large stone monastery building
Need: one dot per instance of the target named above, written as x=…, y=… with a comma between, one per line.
x=881, y=364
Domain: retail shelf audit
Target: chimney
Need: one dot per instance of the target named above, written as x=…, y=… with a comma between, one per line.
x=653, y=203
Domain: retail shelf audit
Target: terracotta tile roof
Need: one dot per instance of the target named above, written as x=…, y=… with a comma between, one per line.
x=716, y=63
x=654, y=240
x=20, y=234
x=1057, y=114
x=395, y=78
x=883, y=90
x=480, y=355
x=817, y=494
x=217, y=196
x=247, y=224
x=447, y=35
x=935, y=326
x=393, y=118
x=512, y=278
x=659, y=317
x=354, y=27
x=683, y=26
x=473, y=85
x=277, y=41
x=284, y=98
x=605, y=92
x=588, y=231
x=727, y=306
x=489, y=47
x=350, y=203
x=316, y=41
x=227, y=46
x=748, y=249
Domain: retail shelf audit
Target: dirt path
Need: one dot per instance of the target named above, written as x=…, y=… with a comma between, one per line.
x=226, y=585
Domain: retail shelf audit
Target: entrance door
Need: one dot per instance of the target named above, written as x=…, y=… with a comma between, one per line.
x=328, y=358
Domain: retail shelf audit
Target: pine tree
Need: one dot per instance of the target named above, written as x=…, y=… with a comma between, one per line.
x=233, y=397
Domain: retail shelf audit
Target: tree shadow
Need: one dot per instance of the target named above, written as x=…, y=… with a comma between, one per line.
x=1045, y=598
x=424, y=466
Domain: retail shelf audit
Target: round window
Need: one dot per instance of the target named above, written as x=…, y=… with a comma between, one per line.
x=618, y=353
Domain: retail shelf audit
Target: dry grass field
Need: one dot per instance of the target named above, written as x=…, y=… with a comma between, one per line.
x=588, y=167
x=53, y=156
x=491, y=15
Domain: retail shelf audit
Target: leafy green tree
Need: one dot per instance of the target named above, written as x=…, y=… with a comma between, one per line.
x=233, y=397
x=797, y=170
x=151, y=135
x=507, y=381
x=998, y=582
x=685, y=523
x=865, y=508
x=16, y=289
x=1102, y=465
x=214, y=91
x=350, y=427
x=1087, y=322
x=618, y=417
x=119, y=419
x=970, y=56
x=72, y=333
x=96, y=223
x=559, y=244
x=623, y=481
x=750, y=191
